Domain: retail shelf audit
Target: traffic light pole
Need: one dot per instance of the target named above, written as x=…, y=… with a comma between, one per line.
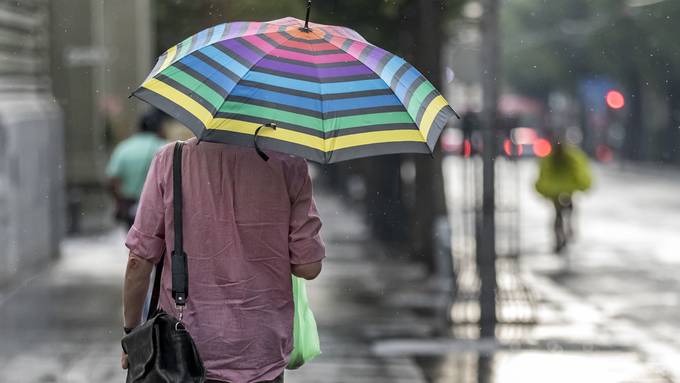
x=486, y=246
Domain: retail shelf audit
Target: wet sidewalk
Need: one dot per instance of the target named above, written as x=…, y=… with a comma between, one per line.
x=63, y=325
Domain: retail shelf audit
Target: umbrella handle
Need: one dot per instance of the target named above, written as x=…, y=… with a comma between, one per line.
x=259, y=151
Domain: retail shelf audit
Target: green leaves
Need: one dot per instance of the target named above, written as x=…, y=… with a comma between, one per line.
x=551, y=45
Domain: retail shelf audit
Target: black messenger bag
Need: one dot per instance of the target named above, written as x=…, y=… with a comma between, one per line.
x=161, y=350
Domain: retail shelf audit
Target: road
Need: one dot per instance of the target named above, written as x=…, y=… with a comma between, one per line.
x=624, y=264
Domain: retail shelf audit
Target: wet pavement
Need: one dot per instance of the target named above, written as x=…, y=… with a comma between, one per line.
x=624, y=263
x=63, y=325
x=374, y=309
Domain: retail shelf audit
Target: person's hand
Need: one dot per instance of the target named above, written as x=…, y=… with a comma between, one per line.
x=124, y=361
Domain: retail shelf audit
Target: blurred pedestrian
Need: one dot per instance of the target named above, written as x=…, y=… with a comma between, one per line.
x=130, y=162
x=563, y=172
x=250, y=224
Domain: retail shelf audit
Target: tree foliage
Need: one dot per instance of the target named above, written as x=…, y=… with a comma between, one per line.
x=552, y=45
x=386, y=23
x=543, y=44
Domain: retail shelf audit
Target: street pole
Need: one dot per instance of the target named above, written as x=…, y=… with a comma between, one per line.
x=486, y=247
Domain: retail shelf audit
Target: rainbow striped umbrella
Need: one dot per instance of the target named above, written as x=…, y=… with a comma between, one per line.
x=321, y=92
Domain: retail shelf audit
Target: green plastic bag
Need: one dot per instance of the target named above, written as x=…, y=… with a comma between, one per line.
x=305, y=336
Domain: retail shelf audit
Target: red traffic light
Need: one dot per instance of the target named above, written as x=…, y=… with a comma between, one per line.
x=615, y=99
x=542, y=147
x=511, y=149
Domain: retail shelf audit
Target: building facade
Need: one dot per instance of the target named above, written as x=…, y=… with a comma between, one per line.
x=101, y=51
x=31, y=137
x=67, y=68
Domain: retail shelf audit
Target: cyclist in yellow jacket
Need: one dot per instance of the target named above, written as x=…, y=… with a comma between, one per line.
x=562, y=173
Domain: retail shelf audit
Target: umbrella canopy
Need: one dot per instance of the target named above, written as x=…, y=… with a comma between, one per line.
x=324, y=93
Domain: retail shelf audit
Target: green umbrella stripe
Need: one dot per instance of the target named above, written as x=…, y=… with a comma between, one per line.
x=277, y=115
x=415, y=105
x=210, y=108
x=369, y=109
x=197, y=87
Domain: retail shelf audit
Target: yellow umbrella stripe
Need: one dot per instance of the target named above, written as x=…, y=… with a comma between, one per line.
x=430, y=114
x=179, y=98
x=369, y=138
x=282, y=134
x=318, y=143
x=169, y=56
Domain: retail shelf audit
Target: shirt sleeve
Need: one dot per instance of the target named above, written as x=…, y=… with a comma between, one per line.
x=304, y=242
x=146, y=238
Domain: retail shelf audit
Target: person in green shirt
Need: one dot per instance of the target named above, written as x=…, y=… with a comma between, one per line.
x=129, y=163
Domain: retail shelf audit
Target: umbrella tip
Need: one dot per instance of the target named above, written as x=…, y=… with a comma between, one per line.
x=309, y=9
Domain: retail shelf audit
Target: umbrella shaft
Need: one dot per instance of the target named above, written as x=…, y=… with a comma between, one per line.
x=309, y=9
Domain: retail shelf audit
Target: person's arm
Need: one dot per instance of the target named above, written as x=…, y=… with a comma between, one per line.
x=135, y=287
x=146, y=241
x=307, y=271
x=304, y=243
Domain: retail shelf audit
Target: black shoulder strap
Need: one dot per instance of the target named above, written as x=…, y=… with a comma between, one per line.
x=180, y=274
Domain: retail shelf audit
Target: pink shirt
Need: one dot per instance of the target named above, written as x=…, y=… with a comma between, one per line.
x=245, y=222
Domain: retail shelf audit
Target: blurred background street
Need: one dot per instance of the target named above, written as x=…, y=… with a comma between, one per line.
x=444, y=269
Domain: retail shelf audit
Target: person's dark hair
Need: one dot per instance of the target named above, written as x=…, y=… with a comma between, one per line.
x=152, y=121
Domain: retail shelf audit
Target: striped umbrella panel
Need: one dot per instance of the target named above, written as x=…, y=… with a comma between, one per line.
x=332, y=95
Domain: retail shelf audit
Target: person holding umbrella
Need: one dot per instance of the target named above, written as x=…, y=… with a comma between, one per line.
x=261, y=97
x=249, y=224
